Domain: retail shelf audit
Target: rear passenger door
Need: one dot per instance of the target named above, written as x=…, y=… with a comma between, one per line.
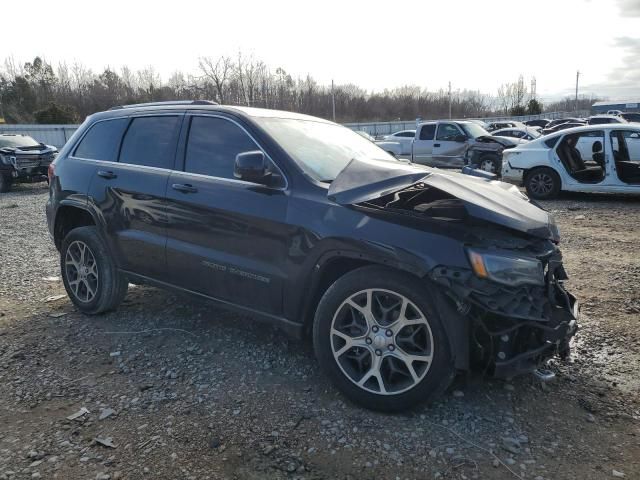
x=227, y=238
x=423, y=144
x=130, y=192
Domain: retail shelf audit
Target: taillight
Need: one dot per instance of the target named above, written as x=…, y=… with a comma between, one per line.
x=51, y=171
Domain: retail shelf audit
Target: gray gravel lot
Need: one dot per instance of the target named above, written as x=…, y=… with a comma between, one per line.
x=179, y=389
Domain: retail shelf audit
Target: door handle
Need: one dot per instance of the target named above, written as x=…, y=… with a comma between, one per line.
x=184, y=187
x=436, y=144
x=106, y=174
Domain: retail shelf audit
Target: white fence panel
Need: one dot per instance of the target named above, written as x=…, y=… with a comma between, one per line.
x=57, y=135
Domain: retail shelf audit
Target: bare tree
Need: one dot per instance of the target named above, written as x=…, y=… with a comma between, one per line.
x=218, y=72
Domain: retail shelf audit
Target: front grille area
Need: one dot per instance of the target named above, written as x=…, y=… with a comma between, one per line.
x=32, y=161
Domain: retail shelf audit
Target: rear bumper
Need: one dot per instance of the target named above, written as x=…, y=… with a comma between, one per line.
x=512, y=175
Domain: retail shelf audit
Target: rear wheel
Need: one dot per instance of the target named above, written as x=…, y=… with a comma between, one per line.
x=381, y=342
x=542, y=183
x=5, y=182
x=89, y=273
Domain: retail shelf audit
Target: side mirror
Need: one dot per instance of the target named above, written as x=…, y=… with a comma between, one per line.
x=251, y=167
x=460, y=138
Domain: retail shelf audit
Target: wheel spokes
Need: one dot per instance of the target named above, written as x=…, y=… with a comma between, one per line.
x=81, y=270
x=381, y=341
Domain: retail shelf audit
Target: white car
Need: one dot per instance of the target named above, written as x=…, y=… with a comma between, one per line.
x=404, y=138
x=595, y=158
x=526, y=133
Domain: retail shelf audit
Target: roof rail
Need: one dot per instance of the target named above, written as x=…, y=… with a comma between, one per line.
x=168, y=103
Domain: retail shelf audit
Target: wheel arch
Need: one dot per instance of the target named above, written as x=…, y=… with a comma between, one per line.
x=70, y=215
x=334, y=264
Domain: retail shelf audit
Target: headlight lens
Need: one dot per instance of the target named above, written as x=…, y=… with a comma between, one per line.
x=506, y=269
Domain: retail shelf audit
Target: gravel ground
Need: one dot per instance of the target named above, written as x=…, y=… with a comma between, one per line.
x=177, y=389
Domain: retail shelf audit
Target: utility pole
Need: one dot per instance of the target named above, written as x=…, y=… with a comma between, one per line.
x=533, y=88
x=577, y=79
x=333, y=101
x=449, y=100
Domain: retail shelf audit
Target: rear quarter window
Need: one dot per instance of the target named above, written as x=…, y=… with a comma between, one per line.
x=551, y=142
x=102, y=140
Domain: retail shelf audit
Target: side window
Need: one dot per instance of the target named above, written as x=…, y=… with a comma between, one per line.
x=213, y=145
x=102, y=140
x=428, y=131
x=447, y=131
x=406, y=134
x=626, y=145
x=151, y=141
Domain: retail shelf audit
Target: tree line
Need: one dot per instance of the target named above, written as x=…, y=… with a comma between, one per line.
x=38, y=92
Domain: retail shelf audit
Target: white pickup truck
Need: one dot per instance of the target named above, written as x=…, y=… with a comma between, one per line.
x=444, y=143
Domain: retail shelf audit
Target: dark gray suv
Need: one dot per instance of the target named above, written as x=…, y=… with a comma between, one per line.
x=402, y=275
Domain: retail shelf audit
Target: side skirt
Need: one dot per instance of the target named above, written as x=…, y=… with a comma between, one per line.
x=291, y=328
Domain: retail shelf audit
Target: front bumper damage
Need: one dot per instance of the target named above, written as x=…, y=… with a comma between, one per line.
x=513, y=330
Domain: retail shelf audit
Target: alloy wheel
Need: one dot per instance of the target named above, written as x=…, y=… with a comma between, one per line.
x=541, y=183
x=381, y=341
x=81, y=271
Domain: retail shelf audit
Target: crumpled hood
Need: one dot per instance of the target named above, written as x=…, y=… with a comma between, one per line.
x=31, y=150
x=497, y=202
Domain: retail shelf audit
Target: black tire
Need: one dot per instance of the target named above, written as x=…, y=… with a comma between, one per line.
x=542, y=183
x=5, y=182
x=437, y=376
x=493, y=160
x=110, y=285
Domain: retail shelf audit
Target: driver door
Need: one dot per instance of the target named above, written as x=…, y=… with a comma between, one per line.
x=448, y=150
x=226, y=238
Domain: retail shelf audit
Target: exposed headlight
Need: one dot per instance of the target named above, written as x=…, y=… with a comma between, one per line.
x=506, y=269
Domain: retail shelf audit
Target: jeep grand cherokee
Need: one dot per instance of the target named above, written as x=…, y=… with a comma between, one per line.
x=401, y=274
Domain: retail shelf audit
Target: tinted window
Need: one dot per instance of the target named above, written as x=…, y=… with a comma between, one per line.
x=213, y=145
x=551, y=142
x=151, y=141
x=428, y=131
x=447, y=131
x=405, y=134
x=102, y=140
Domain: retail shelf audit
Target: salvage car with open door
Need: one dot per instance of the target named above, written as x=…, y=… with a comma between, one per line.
x=603, y=159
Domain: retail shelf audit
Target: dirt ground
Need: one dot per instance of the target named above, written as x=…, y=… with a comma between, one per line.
x=177, y=389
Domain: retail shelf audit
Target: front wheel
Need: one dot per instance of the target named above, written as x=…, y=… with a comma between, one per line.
x=490, y=163
x=380, y=340
x=542, y=183
x=89, y=274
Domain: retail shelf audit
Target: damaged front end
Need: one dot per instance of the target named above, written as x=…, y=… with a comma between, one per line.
x=514, y=328
x=508, y=292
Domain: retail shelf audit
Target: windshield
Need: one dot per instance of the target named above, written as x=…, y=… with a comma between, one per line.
x=321, y=149
x=474, y=130
x=17, y=141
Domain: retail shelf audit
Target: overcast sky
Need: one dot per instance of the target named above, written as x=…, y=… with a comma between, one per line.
x=374, y=44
